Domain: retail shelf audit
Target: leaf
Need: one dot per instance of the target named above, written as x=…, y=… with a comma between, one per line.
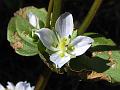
x=40, y=13
x=74, y=34
x=11, y=30
x=105, y=59
x=19, y=41
x=24, y=30
x=27, y=50
x=20, y=33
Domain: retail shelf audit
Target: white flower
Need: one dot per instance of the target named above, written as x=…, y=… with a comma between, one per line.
x=1, y=87
x=19, y=86
x=59, y=41
x=33, y=20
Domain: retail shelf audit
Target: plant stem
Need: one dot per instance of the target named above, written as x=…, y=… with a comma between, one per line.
x=91, y=14
x=50, y=8
x=43, y=79
x=56, y=11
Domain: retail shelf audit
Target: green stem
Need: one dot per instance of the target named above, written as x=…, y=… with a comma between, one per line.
x=50, y=7
x=88, y=19
x=56, y=11
x=43, y=79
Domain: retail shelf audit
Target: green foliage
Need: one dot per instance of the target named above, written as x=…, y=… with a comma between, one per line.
x=102, y=58
x=18, y=39
x=20, y=31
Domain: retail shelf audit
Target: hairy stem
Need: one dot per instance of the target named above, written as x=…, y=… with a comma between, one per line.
x=91, y=14
x=50, y=8
x=56, y=11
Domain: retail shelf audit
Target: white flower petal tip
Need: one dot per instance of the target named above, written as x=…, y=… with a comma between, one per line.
x=19, y=86
x=58, y=60
x=82, y=40
x=33, y=20
x=47, y=37
x=64, y=24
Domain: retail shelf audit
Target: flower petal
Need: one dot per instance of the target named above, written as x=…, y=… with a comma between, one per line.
x=80, y=50
x=33, y=20
x=20, y=86
x=1, y=87
x=82, y=40
x=23, y=86
x=81, y=45
x=10, y=86
x=64, y=25
x=48, y=38
x=58, y=60
x=30, y=88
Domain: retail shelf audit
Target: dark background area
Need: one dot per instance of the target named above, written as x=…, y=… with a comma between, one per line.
x=15, y=68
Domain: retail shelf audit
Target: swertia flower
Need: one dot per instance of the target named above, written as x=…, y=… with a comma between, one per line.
x=61, y=44
x=19, y=86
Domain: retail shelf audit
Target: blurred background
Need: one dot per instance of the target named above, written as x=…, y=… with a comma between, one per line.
x=15, y=68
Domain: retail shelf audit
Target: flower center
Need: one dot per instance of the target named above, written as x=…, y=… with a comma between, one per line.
x=63, y=43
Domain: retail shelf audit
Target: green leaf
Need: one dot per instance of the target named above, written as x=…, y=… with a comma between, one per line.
x=24, y=30
x=74, y=34
x=22, y=44
x=40, y=13
x=11, y=30
x=27, y=49
x=19, y=32
x=103, y=58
